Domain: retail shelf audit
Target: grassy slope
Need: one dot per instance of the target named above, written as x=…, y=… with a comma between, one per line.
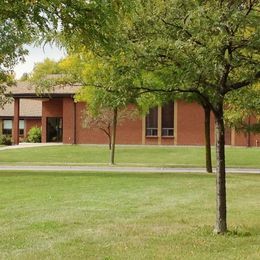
x=153, y=156
x=125, y=216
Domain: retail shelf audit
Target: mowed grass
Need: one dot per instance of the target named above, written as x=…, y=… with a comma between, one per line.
x=125, y=216
x=128, y=155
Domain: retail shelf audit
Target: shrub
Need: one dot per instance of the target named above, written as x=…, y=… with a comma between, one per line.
x=5, y=140
x=34, y=135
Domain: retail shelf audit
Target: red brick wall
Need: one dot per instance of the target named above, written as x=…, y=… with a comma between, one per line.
x=168, y=140
x=244, y=139
x=68, y=121
x=50, y=108
x=190, y=124
x=128, y=132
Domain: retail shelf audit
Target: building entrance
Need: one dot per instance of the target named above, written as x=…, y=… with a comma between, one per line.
x=54, y=129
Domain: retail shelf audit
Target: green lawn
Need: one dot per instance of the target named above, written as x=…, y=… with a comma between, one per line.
x=125, y=216
x=128, y=155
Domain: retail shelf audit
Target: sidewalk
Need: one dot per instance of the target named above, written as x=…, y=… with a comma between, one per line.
x=27, y=145
x=119, y=169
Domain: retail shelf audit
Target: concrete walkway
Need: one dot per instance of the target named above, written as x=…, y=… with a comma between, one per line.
x=86, y=168
x=27, y=145
x=119, y=169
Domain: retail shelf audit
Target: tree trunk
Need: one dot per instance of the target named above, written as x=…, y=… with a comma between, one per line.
x=109, y=142
x=207, y=138
x=221, y=216
x=112, y=153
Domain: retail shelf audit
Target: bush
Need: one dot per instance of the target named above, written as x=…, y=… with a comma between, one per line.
x=34, y=135
x=5, y=140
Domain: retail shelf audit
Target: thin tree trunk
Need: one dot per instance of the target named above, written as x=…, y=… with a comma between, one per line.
x=207, y=138
x=112, y=153
x=221, y=215
x=109, y=142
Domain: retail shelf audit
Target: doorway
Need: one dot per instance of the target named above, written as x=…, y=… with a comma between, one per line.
x=54, y=129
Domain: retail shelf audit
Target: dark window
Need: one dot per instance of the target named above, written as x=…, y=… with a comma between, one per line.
x=7, y=127
x=167, y=120
x=152, y=122
x=21, y=127
x=54, y=129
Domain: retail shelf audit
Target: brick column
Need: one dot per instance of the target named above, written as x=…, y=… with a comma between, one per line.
x=175, y=122
x=69, y=121
x=159, y=125
x=15, y=130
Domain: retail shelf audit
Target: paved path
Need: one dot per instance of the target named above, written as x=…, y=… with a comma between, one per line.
x=27, y=145
x=118, y=169
x=104, y=168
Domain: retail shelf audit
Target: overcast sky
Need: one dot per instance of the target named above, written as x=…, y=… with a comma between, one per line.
x=38, y=54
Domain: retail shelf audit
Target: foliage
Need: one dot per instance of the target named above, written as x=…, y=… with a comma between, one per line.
x=5, y=140
x=34, y=135
x=241, y=105
x=209, y=48
x=20, y=22
x=24, y=77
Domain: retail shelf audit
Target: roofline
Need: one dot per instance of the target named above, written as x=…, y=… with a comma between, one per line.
x=47, y=95
x=21, y=117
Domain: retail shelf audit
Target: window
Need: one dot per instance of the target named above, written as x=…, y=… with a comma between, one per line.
x=152, y=122
x=167, y=120
x=7, y=127
x=21, y=127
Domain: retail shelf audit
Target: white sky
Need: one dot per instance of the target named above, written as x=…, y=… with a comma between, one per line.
x=38, y=54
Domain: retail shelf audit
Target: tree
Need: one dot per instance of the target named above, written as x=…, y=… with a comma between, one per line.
x=104, y=120
x=34, y=20
x=12, y=39
x=209, y=48
x=104, y=110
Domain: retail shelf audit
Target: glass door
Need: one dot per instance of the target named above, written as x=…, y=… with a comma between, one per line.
x=54, y=129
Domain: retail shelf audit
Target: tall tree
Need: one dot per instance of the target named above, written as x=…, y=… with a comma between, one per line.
x=209, y=48
x=104, y=87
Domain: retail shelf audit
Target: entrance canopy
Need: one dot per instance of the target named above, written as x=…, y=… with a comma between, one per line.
x=25, y=90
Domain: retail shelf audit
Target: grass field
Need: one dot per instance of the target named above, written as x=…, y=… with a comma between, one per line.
x=128, y=155
x=125, y=216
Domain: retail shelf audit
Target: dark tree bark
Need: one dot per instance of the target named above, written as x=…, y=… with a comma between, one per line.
x=207, y=111
x=221, y=215
x=112, y=153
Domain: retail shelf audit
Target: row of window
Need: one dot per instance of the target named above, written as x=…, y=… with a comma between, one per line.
x=167, y=118
x=8, y=125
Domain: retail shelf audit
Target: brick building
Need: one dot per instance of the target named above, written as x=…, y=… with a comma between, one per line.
x=60, y=118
